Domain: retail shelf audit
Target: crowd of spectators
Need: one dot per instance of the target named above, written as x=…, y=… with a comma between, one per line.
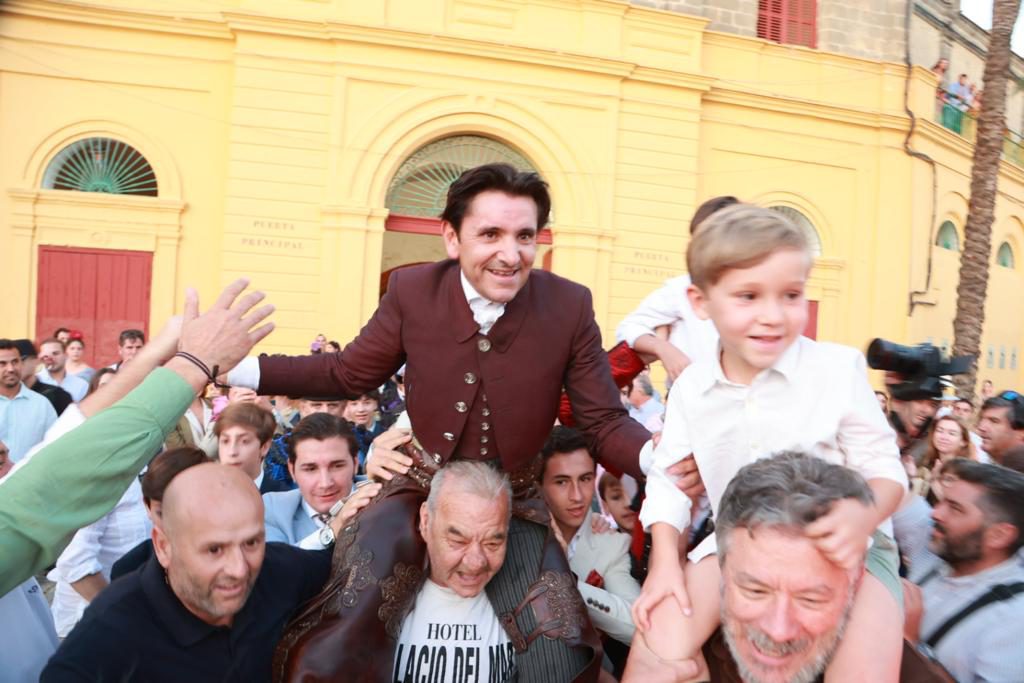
x=761, y=536
x=956, y=99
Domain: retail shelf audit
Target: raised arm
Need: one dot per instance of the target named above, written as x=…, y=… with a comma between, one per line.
x=90, y=467
x=364, y=364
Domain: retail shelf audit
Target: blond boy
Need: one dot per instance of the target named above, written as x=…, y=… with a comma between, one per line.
x=769, y=390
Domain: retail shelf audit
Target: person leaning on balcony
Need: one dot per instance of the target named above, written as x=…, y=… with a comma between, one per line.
x=126, y=422
x=961, y=93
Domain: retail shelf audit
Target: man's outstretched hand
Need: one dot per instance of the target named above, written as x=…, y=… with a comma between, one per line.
x=226, y=333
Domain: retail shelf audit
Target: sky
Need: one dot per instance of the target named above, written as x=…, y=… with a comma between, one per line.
x=980, y=12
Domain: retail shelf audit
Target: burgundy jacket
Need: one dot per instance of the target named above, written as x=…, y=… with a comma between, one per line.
x=471, y=395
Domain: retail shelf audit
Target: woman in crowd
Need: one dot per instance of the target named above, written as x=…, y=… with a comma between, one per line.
x=75, y=365
x=99, y=378
x=949, y=439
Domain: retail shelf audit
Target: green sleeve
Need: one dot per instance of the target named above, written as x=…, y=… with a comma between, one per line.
x=79, y=477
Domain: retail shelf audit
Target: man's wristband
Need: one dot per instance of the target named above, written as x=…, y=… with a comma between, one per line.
x=210, y=374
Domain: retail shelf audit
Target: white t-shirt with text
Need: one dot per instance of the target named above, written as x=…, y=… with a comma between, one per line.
x=447, y=638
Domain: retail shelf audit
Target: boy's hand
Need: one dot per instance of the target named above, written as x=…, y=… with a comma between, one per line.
x=600, y=525
x=386, y=461
x=356, y=502
x=687, y=477
x=842, y=535
x=664, y=580
x=674, y=360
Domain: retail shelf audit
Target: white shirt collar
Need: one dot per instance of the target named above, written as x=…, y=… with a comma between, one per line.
x=312, y=514
x=470, y=291
x=259, y=480
x=786, y=365
x=485, y=312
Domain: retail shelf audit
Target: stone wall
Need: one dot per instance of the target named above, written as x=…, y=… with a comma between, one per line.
x=874, y=29
x=868, y=28
x=728, y=16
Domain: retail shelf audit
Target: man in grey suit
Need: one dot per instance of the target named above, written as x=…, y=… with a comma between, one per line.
x=599, y=560
x=321, y=461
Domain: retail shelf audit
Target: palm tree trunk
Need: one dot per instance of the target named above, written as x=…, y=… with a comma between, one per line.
x=988, y=146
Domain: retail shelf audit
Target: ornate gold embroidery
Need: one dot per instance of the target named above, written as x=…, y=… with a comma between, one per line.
x=524, y=480
x=399, y=593
x=356, y=563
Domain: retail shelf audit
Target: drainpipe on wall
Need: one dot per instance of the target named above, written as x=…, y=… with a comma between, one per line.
x=914, y=301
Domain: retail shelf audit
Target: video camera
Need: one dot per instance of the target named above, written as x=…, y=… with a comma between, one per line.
x=921, y=368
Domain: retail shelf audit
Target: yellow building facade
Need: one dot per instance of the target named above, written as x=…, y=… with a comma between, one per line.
x=276, y=132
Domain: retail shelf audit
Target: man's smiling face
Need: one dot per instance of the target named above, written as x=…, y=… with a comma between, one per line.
x=784, y=606
x=496, y=244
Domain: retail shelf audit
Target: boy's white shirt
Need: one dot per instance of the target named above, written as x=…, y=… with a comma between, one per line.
x=815, y=399
x=670, y=305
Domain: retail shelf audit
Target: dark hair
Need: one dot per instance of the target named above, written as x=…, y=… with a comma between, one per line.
x=372, y=394
x=607, y=481
x=709, y=207
x=75, y=339
x=8, y=345
x=964, y=400
x=322, y=426
x=561, y=440
x=53, y=340
x=57, y=332
x=1014, y=459
x=250, y=416
x=502, y=178
x=1015, y=406
x=786, y=492
x=132, y=334
x=165, y=467
x=1003, y=499
x=94, y=383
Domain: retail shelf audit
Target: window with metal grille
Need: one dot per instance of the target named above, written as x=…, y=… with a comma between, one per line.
x=1004, y=257
x=804, y=223
x=420, y=187
x=101, y=165
x=947, y=237
x=793, y=22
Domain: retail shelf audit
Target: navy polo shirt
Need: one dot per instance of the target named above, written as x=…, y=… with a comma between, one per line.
x=138, y=630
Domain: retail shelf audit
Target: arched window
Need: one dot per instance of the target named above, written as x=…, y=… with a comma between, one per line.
x=947, y=237
x=420, y=187
x=1004, y=256
x=804, y=223
x=101, y=165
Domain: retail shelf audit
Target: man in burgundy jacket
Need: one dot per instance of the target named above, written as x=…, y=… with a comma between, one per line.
x=489, y=345
x=478, y=386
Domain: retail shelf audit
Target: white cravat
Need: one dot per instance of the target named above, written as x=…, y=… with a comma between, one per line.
x=485, y=312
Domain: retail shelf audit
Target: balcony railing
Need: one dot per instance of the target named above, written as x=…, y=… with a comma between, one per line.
x=953, y=113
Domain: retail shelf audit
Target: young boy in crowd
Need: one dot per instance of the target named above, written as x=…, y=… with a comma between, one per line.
x=770, y=389
x=244, y=433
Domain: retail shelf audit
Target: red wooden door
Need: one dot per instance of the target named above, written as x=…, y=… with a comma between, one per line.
x=97, y=291
x=811, y=329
